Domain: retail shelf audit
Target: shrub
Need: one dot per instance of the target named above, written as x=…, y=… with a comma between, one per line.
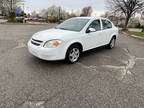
x=121, y=25
x=20, y=20
x=11, y=14
x=130, y=26
x=53, y=20
x=138, y=25
x=142, y=26
x=12, y=20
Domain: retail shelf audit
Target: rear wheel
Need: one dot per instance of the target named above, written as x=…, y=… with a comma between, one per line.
x=73, y=54
x=112, y=43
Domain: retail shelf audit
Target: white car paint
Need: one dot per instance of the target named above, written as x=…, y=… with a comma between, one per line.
x=87, y=40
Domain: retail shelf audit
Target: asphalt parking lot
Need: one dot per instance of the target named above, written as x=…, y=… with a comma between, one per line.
x=101, y=79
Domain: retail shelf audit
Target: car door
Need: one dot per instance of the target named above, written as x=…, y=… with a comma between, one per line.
x=107, y=31
x=93, y=38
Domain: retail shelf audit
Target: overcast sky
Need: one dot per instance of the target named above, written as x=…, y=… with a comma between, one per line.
x=97, y=5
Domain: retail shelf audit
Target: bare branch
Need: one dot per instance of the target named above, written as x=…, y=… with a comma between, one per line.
x=127, y=7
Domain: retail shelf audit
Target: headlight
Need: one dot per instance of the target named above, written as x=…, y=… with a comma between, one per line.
x=52, y=43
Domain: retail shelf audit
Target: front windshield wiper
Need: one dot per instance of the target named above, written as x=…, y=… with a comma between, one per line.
x=63, y=28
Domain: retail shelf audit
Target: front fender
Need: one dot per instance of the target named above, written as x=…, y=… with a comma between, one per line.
x=69, y=43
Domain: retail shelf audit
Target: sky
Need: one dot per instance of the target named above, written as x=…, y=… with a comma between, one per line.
x=37, y=5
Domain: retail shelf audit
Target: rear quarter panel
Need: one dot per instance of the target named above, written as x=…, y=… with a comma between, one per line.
x=114, y=33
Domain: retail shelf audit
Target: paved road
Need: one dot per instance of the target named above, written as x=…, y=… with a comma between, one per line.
x=101, y=79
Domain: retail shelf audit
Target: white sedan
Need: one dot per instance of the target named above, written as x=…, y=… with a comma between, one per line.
x=72, y=37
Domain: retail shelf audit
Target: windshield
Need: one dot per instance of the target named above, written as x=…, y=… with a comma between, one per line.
x=74, y=24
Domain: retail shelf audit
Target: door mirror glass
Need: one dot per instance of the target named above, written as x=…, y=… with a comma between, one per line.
x=91, y=30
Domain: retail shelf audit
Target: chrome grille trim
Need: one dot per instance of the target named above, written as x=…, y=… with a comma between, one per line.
x=36, y=42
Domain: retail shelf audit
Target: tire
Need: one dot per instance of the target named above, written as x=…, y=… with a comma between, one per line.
x=73, y=54
x=112, y=43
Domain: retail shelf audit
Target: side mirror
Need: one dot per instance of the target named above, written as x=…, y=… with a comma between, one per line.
x=90, y=30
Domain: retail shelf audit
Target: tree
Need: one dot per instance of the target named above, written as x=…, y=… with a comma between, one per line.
x=127, y=7
x=142, y=17
x=54, y=11
x=113, y=17
x=8, y=6
x=86, y=11
x=34, y=14
x=73, y=15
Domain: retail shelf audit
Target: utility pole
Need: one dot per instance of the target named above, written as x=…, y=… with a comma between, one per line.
x=47, y=17
x=11, y=8
x=59, y=12
x=23, y=8
x=2, y=7
x=11, y=5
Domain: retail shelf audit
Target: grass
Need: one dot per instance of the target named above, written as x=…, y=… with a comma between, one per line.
x=141, y=34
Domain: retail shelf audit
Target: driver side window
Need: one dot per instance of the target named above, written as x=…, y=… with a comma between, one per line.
x=95, y=25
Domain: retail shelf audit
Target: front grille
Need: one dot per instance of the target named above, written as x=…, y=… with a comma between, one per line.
x=36, y=42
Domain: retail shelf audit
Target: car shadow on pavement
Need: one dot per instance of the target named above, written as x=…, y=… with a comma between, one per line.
x=35, y=59
x=94, y=51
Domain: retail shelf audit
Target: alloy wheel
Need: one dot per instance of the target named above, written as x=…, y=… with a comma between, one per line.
x=74, y=54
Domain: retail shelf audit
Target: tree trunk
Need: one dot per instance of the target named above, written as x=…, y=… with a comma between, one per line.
x=126, y=23
x=143, y=29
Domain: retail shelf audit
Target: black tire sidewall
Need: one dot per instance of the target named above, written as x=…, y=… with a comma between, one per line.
x=109, y=45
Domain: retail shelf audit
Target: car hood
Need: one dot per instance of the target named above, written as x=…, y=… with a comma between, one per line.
x=53, y=34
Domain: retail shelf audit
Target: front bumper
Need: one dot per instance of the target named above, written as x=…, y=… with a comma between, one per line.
x=50, y=54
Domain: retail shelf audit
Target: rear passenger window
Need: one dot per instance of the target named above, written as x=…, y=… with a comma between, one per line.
x=106, y=24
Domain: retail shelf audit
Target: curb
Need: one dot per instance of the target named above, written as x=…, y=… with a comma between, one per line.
x=134, y=36
x=137, y=37
x=2, y=22
x=24, y=24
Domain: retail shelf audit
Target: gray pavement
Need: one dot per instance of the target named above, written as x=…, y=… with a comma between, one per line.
x=101, y=79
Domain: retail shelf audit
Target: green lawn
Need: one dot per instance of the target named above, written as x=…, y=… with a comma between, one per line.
x=137, y=33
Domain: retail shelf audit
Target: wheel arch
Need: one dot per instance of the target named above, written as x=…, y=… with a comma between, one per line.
x=76, y=43
x=114, y=36
x=71, y=44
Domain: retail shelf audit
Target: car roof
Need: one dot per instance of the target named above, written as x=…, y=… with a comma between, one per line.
x=90, y=18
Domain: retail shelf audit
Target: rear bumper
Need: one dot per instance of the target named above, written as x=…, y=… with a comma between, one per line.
x=50, y=54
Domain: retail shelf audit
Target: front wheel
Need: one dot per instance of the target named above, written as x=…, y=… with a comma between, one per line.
x=73, y=54
x=112, y=43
